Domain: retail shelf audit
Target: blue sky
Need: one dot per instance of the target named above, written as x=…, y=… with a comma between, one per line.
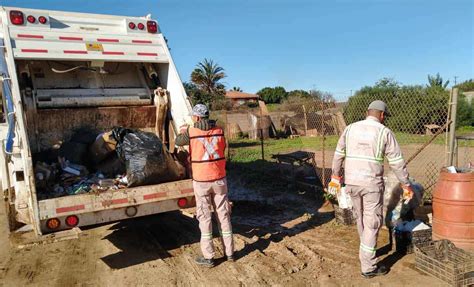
x=332, y=45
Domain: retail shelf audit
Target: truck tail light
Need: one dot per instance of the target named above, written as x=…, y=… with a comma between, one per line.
x=42, y=19
x=151, y=26
x=182, y=202
x=53, y=223
x=141, y=26
x=72, y=221
x=31, y=19
x=131, y=25
x=16, y=17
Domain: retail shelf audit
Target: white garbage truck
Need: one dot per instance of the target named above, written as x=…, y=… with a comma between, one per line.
x=63, y=71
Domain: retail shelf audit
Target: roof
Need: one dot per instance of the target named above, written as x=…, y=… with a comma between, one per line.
x=239, y=95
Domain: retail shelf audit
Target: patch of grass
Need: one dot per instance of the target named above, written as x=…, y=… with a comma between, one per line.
x=465, y=130
x=406, y=138
x=246, y=150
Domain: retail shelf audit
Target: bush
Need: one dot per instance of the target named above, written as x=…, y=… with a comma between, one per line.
x=465, y=112
x=273, y=95
x=411, y=107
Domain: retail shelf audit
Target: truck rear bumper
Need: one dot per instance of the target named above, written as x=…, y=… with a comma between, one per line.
x=114, y=205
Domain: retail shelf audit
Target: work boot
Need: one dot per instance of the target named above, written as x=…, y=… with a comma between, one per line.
x=205, y=262
x=230, y=258
x=379, y=271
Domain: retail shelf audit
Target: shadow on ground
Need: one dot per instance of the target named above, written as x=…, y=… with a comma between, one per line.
x=269, y=205
x=263, y=204
x=149, y=238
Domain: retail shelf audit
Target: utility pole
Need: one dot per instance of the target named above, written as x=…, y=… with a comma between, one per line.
x=455, y=80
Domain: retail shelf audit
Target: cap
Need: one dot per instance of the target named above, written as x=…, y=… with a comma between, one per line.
x=200, y=110
x=379, y=106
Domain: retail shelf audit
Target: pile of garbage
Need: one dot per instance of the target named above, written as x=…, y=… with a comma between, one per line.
x=111, y=160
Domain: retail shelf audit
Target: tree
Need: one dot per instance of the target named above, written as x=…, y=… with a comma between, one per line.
x=387, y=82
x=273, y=95
x=411, y=107
x=196, y=96
x=466, y=86
x=465, y=112
x=206, y=77
x=437, y=82
x=299, y=94
x=237, y=89
x=205, y=87
x=322, y=96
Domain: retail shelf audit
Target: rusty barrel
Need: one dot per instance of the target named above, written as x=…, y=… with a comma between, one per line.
x=453, y=209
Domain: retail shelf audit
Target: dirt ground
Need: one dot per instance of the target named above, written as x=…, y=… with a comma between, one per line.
x=280, y=238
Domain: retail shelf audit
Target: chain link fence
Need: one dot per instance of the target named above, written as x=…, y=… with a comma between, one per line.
x=298, y=141
x=465, y=151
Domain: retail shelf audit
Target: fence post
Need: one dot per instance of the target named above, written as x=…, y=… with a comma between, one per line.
x=227, y=134
x=305, y=121
x=323, y=130
x=260, y=124
x=452, y=127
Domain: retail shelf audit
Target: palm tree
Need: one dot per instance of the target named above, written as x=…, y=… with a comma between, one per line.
x=237, y=89
x=206, y=77
x=437, y=81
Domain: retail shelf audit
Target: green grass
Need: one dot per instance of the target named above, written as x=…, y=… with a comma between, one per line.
x=465, y=130
x=245, y=150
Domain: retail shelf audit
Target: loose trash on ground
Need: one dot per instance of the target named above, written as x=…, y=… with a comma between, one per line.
x=113, y=160
x=410, y=226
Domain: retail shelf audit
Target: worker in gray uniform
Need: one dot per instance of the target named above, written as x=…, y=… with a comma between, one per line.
x=362, y=148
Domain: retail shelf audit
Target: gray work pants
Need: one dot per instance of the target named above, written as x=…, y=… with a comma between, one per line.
x=211, y=195
x=367, y=204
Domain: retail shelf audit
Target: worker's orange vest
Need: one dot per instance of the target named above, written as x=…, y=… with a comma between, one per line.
x=207, y=149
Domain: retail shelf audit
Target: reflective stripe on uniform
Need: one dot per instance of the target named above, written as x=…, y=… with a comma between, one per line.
x=395, y=160
x=347, y=138
x=379, y=153
x=365, y=158
x=226, y=233
x=340, y=152
x=367, y=248
x=206, y=235
x=210, y=150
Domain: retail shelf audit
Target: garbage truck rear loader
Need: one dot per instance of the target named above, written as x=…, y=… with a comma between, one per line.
x=62, y=72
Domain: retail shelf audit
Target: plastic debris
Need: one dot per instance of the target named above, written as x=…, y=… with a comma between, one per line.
x=410, y=226
x=115, y=160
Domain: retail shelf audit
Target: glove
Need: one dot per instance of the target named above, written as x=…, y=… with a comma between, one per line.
x=183, y=129
x=407, y=193
x=334, y=185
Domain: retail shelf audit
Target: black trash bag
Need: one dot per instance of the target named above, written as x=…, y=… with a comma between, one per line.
x=119, y=134
x=146, y=159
